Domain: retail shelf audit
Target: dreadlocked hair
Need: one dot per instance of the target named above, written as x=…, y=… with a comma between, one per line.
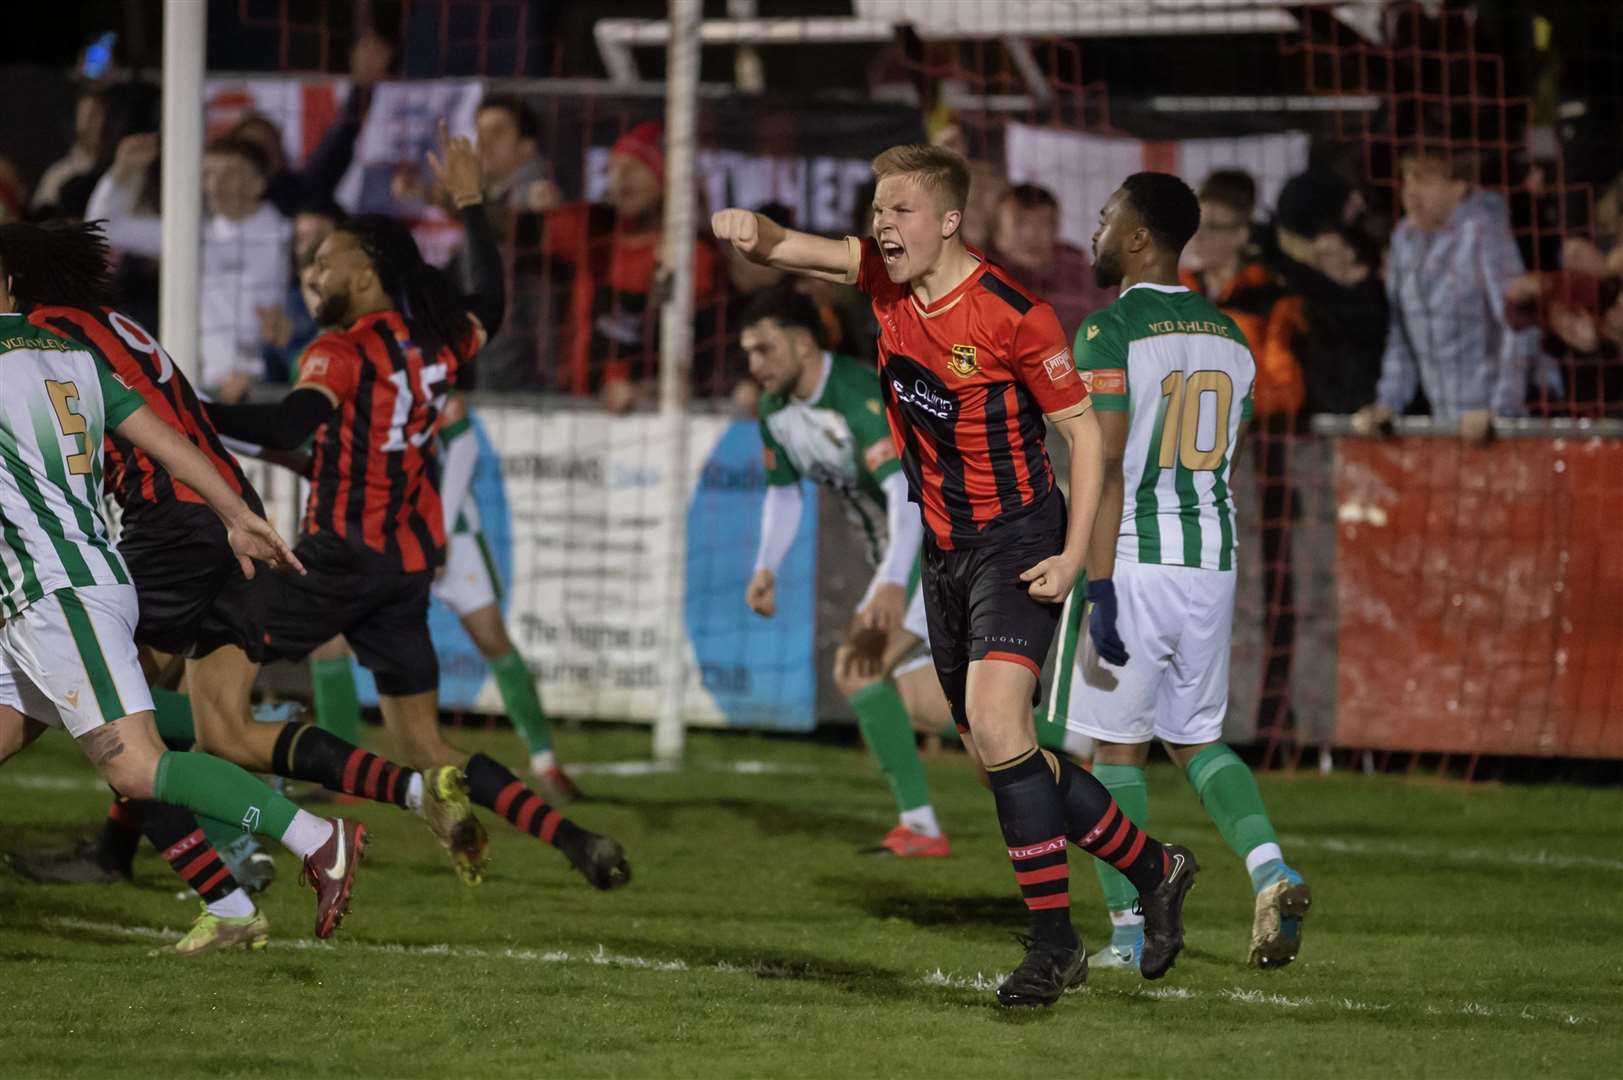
x=57, y=263
x=435, y=313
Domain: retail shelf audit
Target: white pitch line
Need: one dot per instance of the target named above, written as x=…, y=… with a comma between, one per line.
x=1547, y=860
x=601, y=957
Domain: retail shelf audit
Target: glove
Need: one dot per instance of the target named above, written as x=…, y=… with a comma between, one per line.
x=1102, y=622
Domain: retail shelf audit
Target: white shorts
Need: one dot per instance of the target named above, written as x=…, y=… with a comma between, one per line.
x=915, y=623
x=470, y=581
x=1177, y=624
x=70, y=660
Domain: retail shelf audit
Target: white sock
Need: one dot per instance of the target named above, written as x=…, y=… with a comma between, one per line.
x=233, y=905
x=306, y=834
x=414, y=793
x=543, y=760
x=1127, y=917
x=1260, y=854
x=921, y=820
x=1078, y=745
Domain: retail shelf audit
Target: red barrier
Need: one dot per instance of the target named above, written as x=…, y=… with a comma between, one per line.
x=1480, y=596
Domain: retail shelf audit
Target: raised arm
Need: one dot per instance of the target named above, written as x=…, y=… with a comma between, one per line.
x=761, y=240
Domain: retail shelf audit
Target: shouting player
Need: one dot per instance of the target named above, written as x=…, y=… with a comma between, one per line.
x=68, y=612
x=373, y=533
x=970, y=364
x=822, y=418
x=1171, y=378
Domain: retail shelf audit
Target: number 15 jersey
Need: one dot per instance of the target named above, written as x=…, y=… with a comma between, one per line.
x=1183, y=372
x=374, y=477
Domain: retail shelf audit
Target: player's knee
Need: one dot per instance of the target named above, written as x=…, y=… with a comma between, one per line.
x=133, y=772
x=850, y=682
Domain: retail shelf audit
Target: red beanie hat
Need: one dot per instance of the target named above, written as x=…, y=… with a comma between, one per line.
x=645, y=142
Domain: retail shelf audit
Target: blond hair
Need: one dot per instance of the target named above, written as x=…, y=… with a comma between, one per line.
x=937, y=170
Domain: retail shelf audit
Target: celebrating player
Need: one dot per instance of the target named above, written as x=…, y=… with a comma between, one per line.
x=822, y=418
x=970, y=363
x=471, y=587
x=373, y=533
x=67, y=609
x=194, y=601
x=1171, y=377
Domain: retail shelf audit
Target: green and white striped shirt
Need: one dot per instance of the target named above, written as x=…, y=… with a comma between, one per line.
x=58, y=401
x=1184, y=372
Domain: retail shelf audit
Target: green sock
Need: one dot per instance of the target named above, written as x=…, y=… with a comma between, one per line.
x=1126, y=785
x=522, y=702
x=1229, y=793
x=338, y=710
x=882, y=719
x=213, y=787
x=173, y=712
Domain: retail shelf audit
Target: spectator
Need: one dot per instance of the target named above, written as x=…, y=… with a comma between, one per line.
x=1452, y=258
x=1579, y=315
x=285, y=330
x=245, y=251
x=516, y=189
x=609, y=252
x=1331, y=321
x=1225, y=266
x=1025, y=238
x=287, y=188
x=83, y=157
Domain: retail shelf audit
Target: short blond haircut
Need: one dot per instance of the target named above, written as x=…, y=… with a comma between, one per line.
x=937, y=169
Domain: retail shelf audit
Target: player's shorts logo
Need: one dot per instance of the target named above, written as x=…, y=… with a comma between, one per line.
x=963, y=363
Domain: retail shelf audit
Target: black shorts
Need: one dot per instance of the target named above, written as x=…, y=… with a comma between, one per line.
x=977, y=607
x=382, y=612
x=193, y=596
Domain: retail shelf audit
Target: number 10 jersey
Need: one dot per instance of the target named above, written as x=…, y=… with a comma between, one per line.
x=1183, y=372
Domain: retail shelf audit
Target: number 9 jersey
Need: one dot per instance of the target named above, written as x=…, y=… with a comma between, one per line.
x=1184, y=372
x=374, y=476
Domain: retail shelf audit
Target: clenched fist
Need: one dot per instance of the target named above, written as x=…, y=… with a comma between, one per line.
x=740, y=227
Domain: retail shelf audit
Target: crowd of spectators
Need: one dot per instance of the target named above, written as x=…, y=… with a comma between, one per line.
x=1438, y=315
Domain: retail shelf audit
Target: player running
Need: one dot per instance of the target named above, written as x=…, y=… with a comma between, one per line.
x=471, y=587
x=970, y=364
x=196, y=607
x=822, y=418
x=68, y=612
x=1171, y=377
x=373, y=533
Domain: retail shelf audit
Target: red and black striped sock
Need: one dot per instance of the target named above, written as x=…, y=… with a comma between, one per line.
x=491, y=785
x=1097, y=825
x=174, y=832
x=1033, y=821
x=120, y=835
x=306, y=752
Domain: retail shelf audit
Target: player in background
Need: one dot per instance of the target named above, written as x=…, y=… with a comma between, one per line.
x=471, y=587
x=970, y=364
x=1171, y=377
x=822, y=419
x=196, y=608
x=68, y=611
x=373, y=533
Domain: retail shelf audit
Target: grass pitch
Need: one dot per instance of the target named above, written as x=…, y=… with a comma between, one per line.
x=1457, y=931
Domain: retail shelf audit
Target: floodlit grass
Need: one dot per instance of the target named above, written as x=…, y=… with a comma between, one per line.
x=1457, y=931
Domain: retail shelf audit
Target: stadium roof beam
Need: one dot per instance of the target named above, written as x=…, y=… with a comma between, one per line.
x=876, y=21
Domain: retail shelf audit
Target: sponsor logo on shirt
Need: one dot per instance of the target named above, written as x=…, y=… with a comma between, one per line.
x=880, y=452
x=921, y=397
x=963, y=363
x=1058, y=366
x=1108, y=381
x=314, y=366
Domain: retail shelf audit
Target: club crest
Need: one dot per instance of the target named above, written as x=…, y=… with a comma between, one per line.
x=963, y=363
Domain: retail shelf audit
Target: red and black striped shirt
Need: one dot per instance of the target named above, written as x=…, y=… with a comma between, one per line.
x=374, y=474
x=967, y=381
x=133, y=478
